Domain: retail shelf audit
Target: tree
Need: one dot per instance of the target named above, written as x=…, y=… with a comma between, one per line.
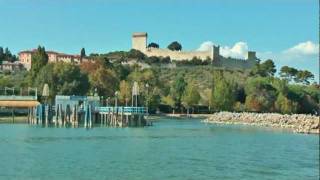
x=179, y=88
x=261, y=95
x=285, y=105
x=288, y=73
x=63, y=79
x=169, y=100
x=105, y=80
x=39, y=59
x=175, y=46
x=304, y=77
x=1, y=55
x=82, y=53
x=264, y=69
x=222, y=95
x=153, y=45
x=125, y=92
x=190, y=97
x=133, y=53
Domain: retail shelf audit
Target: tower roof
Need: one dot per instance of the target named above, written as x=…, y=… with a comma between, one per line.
x=139, y=34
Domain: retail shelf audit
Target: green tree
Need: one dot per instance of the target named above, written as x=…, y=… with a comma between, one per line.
x=175, y=46
x=179, y=88
x=125, y=92
x=105, y=80
x=39, y=59
x=1, y=55
x=133, y=53
x=190, y=97
x=153, y=45
x=304, y=77
x=261, y=95
x=63, y=79
x=288, y=73
x=82, y=53
x=222, y=95
x=169, y=100
x=285, y=105
x=264, y=69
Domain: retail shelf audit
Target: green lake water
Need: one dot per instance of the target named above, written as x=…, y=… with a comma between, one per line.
x=170, y=149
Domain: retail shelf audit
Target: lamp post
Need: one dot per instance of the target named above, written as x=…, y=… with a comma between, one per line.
x=107, y=101
x=116, y=98
x=147, y=99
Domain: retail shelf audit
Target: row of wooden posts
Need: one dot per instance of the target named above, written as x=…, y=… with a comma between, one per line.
x=44, y=114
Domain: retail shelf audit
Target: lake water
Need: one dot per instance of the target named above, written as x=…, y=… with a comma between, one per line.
x=170, y=149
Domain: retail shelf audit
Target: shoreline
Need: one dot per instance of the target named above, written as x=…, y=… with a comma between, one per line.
x=298, y=123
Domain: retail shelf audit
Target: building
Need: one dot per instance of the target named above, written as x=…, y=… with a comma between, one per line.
x=140, y=41
x=10, y=66
x=25, y=58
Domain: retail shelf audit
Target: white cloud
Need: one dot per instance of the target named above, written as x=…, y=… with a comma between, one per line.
x=238, y=50
x=304, y=48
x=205, y=46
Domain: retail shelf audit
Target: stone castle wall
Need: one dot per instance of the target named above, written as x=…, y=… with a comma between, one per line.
x=139, y=42
x=179, y=55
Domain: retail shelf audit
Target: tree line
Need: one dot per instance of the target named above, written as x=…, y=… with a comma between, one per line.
x=177, y=90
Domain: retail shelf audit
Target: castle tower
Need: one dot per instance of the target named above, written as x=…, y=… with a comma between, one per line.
x=216, y=52
x=251, y=55
x=139, y=41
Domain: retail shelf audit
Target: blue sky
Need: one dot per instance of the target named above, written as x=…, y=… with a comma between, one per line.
x=270, y=27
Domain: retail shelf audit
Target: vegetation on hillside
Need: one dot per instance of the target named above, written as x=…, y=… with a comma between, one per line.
x=196, y=87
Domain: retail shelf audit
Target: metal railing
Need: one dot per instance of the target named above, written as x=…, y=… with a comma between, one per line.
x=122, y=109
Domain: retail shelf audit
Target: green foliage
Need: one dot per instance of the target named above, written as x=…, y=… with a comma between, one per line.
x=153, y=45
x=133, y=53
x=39, y=59
x=222, y=95
x=63, y=79
x=175, y=46
x=299, y=76
x=285, y=105
x=6, y=55
x=124, y=92
x=261, y=95
x=179, y=88
x=304, y=77
x=191, y=96
x=288, y=73
x=82, y=53
x=264, y=69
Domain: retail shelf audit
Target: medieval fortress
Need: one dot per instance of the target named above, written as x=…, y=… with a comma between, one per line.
x=140, y=41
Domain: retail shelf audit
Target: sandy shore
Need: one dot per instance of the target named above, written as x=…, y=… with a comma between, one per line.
x=299, y=123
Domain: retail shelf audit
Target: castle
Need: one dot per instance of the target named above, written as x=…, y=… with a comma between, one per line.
x=140, y=40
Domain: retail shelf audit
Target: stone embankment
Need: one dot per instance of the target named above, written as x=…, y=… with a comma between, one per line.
x=300, y=123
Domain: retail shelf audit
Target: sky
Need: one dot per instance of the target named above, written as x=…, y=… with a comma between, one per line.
x=286, y=31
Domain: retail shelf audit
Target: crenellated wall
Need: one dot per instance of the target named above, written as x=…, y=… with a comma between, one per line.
x=139, y=42
x=179, y=55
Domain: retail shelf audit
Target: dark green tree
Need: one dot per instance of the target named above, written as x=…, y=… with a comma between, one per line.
x=222, y=95
x=82, y=53
x=39, y=59
x=304, y=77
x=288, y=73
x=1, y=55
x=191, y=96
x=153, y=45
x=264, y=69
x=179, y=88
x=175, y=46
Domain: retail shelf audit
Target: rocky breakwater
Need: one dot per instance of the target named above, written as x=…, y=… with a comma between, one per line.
x=300, y=123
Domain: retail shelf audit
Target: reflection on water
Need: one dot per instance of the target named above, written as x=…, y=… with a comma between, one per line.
x=170, y=149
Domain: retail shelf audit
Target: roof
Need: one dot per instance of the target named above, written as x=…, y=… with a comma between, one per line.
x=139, y=34
x=19, y=104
